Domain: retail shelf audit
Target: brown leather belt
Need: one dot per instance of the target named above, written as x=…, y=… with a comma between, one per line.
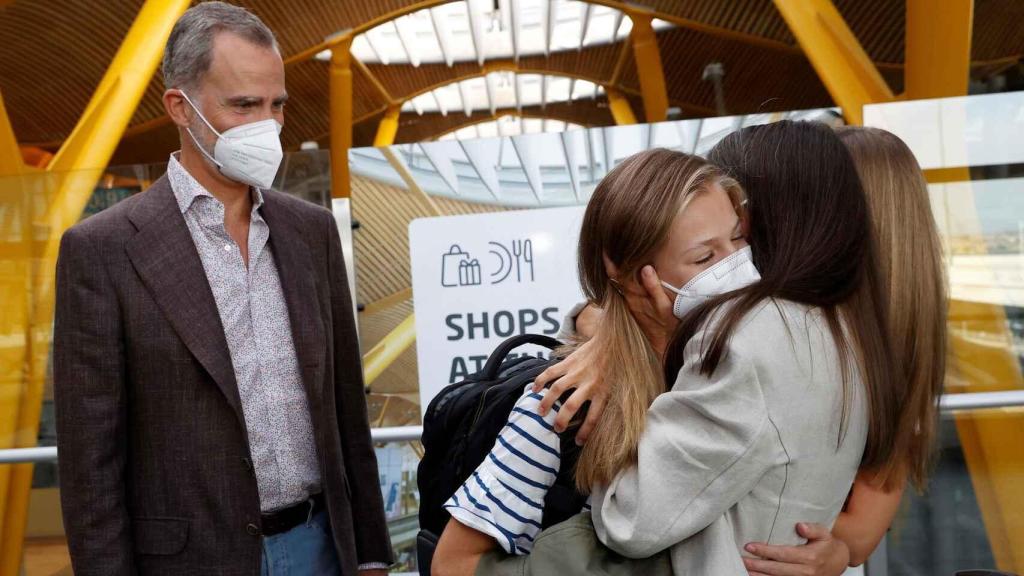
x=285, y=519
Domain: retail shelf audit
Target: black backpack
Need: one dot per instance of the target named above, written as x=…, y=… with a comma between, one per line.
x=460, y=427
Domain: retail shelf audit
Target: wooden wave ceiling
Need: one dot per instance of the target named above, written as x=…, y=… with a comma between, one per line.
x=54, y=53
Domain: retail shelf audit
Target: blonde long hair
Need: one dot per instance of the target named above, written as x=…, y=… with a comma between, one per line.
x=627, y=220
x=911, y=266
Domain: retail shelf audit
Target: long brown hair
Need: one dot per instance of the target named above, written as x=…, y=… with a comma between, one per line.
x=811, y=240
x=912, y=274
x=627, y=220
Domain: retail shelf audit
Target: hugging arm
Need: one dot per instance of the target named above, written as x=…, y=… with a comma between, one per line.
x=859, y=528
x=459, y=550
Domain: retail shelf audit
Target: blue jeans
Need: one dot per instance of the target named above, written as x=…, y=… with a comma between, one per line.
x=306, y=550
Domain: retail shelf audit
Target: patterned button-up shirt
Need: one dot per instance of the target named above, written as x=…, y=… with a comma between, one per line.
x=252, y=309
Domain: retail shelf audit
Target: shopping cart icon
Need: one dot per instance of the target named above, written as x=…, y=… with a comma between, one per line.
x=458, y=268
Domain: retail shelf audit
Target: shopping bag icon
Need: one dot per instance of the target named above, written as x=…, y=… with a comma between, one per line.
x=469, y=273
x=451, y=272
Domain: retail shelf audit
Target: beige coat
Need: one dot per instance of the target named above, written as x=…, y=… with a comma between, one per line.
x=744, y=455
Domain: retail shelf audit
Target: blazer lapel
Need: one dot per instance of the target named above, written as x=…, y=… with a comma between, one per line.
x=165, y=257
x=295, y=269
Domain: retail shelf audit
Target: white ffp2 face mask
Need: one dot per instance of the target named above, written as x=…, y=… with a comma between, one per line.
x=733, y=272
x=250, y=153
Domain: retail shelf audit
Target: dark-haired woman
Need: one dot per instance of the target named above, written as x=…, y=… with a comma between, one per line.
x=778, y=387
x=913, y=280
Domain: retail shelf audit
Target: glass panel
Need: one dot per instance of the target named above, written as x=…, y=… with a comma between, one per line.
x=979, y=130
x=954, y=526
x=451, y=25
x=972, y=517
x=503, y=90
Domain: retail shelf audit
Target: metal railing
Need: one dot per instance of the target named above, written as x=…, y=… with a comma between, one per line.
x=948, y=406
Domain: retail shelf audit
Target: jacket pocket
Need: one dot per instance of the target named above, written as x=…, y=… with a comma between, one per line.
x=160, y=536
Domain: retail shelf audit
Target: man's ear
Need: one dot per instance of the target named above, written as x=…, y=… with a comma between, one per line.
x=178, y=110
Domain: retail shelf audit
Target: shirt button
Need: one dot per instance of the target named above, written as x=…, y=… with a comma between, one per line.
x=253, y=529
x=227, y=247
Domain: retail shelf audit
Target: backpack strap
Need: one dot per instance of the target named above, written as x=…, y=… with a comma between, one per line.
x=493, y=366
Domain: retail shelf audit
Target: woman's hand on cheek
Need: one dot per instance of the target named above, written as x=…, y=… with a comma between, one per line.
x=822, y=555
x=652, y=309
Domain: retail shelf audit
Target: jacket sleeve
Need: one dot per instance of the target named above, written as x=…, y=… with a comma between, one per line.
x=373, y=545
x=90, y=405
x=706, y=444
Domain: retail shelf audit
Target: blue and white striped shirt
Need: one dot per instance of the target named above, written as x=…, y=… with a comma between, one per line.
x=504, y=497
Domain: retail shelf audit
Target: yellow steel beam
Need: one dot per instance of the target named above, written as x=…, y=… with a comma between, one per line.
x=377, y=360
x=388, y=127
x=388, y=301
x=11, y=163
x=341, y=115
x=14, y=304
x=938, y=48
x=75, y=170
x=620, y=63
x=648, y=67
x=992, y=441
x=840, y=61
x=619, y=106
x=373, y=80
x=629, y=6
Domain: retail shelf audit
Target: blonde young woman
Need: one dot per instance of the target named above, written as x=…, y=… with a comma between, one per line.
x=907, y=241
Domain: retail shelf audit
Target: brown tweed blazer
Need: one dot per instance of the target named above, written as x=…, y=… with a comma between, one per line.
x=154, y=459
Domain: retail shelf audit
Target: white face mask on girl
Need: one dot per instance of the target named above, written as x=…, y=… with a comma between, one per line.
x=250, y=153
x=733, y=272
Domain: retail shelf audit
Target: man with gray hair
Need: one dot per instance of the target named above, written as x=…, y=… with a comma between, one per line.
x=209, y=393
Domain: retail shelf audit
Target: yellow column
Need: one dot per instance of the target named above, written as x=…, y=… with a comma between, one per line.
x=992, y=440
x=938, y=48
x=341, y=116
x=619, y=106
x=74, y=171
x=846, y=70
x=938, y=54
x=11, y=163
x=648, y=67
x=377, y=360
x=14, y=285
x=388, y=127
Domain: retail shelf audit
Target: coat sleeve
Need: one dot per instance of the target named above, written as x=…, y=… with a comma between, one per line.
x=706, y=444
x=373, y=545
x=90, y=406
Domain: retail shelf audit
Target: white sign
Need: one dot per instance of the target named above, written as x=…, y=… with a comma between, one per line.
x=480, y=279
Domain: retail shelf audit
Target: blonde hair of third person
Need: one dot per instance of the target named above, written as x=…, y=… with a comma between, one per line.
x=910, y=263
